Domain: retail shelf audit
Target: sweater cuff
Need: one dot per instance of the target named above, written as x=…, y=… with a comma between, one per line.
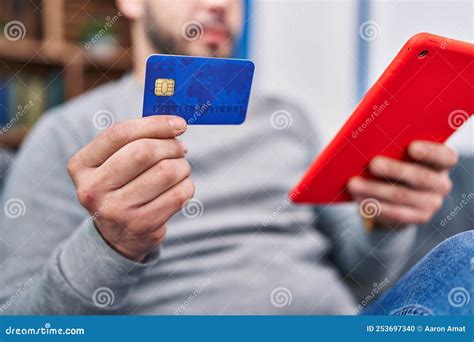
x=391, y=239
x=96, y=271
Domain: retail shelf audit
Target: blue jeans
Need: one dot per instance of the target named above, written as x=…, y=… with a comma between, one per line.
x=442, y=283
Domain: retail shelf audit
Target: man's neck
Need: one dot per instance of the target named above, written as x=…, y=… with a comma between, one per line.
x=141, y=49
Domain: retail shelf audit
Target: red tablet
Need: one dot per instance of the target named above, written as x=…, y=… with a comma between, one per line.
x=426, y=93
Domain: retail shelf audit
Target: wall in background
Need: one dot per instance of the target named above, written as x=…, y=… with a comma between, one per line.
x=305, y=50
x=309, y=49
x=401, y=19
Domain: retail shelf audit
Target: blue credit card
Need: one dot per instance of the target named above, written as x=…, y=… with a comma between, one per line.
x=202, y=90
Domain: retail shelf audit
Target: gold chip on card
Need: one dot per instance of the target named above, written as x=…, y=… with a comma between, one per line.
x=164, y=87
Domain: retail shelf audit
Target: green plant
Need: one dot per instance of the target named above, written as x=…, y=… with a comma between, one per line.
x=99, y=28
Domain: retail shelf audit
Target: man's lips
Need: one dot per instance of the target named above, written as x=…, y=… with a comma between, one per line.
x=215, y=35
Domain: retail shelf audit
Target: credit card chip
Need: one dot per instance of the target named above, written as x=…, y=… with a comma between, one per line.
x=164, y=87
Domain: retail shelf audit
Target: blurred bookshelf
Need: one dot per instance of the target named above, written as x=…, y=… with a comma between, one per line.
x=52, y=51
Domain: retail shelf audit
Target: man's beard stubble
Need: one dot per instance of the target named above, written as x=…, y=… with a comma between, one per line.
x=165, y=43
x=162, y=43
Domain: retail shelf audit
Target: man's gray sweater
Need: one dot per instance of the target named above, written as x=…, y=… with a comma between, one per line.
x=240, y=247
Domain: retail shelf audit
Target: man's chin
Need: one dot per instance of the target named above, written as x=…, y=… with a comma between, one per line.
x=210, y=50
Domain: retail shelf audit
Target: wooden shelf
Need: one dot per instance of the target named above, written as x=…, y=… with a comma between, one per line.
x=121, y=62
x=30, y=51
x=63, y=55
x=60, y=47
x=13, y=137
x=55, y=50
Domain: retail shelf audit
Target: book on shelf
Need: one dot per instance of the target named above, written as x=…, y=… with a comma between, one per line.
x=22, y=16
x=25, y=97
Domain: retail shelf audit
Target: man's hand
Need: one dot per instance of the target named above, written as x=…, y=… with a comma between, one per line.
x=132, y=178
x=408, y=192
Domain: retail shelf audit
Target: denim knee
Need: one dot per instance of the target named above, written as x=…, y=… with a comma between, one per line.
x=439, y=284
x=459, y=246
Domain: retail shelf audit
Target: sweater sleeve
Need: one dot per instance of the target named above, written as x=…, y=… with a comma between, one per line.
x=52, y=258
x=364, y=257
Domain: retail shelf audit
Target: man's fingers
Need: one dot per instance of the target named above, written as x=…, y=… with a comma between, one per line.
x=432, y=154
x=417, y=176
x=161, y=209
x=134, y=158
x=155, y=181
x=397, y=215
x=121, y=134
x=392, y=193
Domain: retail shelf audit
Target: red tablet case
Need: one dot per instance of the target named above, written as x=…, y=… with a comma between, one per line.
x=426, y=93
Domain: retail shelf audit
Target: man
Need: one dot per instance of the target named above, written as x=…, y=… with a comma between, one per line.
x=134, y=241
